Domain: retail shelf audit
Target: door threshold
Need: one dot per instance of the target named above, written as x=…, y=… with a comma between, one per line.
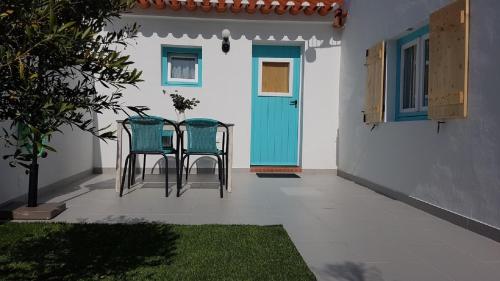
x=275, y=169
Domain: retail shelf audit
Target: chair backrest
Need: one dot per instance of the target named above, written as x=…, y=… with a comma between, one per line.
x=202, y=135
x=168, y=139
x=147, y=133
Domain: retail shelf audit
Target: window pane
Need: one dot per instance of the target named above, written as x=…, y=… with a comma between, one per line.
x=425, y=101
x=275, y=77
x=182, y=67
x=409, y=78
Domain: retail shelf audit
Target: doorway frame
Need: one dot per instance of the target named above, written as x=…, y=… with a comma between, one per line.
x=300, y=99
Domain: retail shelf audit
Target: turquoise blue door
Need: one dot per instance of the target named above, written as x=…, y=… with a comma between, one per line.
x=275, y=105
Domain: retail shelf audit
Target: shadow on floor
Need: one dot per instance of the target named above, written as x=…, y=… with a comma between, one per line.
x=351, y=271
x=85, y=251
x=76, y=188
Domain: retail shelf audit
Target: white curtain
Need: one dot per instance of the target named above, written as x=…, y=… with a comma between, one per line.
x=183, y=68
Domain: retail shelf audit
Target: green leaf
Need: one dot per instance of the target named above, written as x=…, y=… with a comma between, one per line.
x=86, y=32
x=52, y=17
x=6, y=13
x=65, y=26
x=21, y=69
x=50, y=148
x=66, y=107
x=49, y=43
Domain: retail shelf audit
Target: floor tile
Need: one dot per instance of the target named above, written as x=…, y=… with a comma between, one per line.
x=344, y=231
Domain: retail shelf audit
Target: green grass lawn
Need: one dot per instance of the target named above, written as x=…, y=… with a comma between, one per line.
x=50, y=251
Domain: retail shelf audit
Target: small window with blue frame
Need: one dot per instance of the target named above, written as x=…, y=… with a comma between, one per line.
x=181, y=66
x=413, y=76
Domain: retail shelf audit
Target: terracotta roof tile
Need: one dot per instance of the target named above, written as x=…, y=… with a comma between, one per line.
x=280, y=7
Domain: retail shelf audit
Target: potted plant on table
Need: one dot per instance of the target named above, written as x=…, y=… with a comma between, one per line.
x=181, y=104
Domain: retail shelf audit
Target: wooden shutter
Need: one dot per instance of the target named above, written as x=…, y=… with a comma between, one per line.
x=449, y=61
x=374, y=100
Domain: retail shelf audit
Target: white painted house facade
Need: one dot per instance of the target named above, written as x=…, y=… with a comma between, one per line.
x=457, y=169
x=331, y=73
x=295, y=126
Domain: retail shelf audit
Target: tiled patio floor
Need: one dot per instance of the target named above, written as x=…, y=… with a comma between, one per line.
x=344, y=231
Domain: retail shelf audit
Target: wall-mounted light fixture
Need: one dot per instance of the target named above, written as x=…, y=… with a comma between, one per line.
x=339, y=18
x=225, y=40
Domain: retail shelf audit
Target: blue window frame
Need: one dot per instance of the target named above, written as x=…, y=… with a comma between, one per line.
x=181, y=66
x=412, y=76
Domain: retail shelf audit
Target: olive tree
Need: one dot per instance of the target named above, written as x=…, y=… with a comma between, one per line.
x=54, y=54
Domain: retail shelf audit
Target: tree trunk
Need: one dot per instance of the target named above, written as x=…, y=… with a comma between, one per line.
x=33, y=179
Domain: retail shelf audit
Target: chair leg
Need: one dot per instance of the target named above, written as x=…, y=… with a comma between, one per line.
x=226, y=166
x=129, y=178
x=130, y=171
x=134, y=164
x=166, y=175
x=223, y=157
x=144, y=168
x=219, y=160
x=177, y=177
x=181, y=169
x=223, y=164
x=124, y=173
x=187, y=168
x=223, y=177
x=186, y=158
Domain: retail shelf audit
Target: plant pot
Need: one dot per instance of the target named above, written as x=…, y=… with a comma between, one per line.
x=181, y=116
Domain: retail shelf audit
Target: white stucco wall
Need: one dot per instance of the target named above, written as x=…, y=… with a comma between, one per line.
x=458, y=169
x=226, y=91
x=73, y=156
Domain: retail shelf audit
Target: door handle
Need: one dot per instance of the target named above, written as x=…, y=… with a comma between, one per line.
x=294, y=103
